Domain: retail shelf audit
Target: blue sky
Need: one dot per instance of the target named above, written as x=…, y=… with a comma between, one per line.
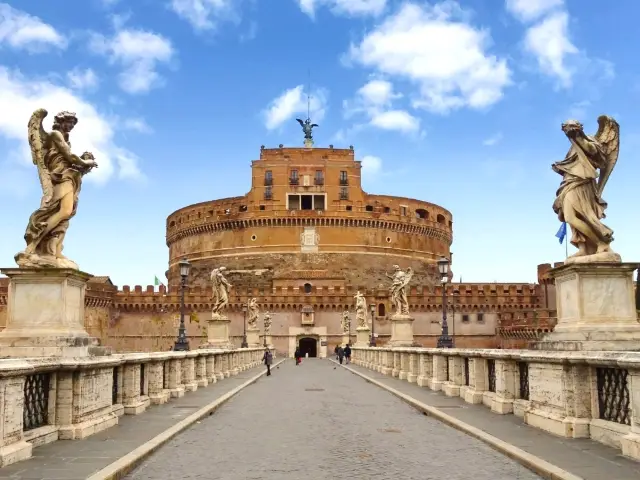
x=459, y=104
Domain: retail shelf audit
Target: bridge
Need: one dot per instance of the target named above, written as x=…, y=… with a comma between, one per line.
x=403, y=413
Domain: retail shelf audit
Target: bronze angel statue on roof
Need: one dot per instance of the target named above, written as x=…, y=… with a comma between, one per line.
x=307, y=128
x=585, y=172
x=60, y=173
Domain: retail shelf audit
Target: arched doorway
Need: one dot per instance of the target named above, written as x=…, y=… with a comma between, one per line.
x=308, y=345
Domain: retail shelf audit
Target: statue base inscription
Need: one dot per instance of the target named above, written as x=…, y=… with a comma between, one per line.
x=45, y=314
x=596, y=308
x=218, y=332
x=401, y=331
x=253, y=337
x=363, y=336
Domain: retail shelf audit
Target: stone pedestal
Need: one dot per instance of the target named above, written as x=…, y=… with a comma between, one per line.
x=346, y=339
x=596, y=308
x=253, y=337
x=45, y=315
x=363, y=336
x=218, y=332
x=401, y=331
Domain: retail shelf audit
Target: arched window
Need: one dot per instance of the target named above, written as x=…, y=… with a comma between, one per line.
x=440, y=219
x=422, y=213
x=307, y=288
x=381, y=310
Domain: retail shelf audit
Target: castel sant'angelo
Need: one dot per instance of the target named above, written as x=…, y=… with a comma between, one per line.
x=303, y=241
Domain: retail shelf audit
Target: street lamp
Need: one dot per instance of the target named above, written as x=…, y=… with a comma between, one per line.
x=244, y=326
x=445, y=340
x=453, y=321
x=182, y=344
x=372, y=343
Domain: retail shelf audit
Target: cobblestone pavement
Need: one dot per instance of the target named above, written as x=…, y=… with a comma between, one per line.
x=315, y=421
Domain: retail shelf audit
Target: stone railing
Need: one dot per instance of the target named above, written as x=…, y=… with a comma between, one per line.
x=49, y=399
x=572, y=394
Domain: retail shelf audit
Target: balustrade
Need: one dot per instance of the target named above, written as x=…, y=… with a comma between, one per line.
x=573, y=394
x=49, y=399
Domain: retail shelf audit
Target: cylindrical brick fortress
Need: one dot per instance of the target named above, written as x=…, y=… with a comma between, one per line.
x=307, y=218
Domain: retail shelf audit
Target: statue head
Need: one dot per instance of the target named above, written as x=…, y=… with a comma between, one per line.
x=64, y=121
x=572, y=126
x=396, y=267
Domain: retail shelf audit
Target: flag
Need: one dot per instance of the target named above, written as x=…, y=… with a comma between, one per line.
x=562, y=232
x=157, y=281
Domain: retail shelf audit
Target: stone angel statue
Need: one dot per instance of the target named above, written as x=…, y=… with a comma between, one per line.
x=346, y=322
x=267, y=323
x=307, y=128
x=361, y=310
x=60, y=173
x=253, y=313
x=220, y=291
x=400, y=280
x=585, y=171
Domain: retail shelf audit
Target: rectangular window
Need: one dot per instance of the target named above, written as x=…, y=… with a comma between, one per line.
x=306, y=202
x=293, y=177
x=319, y=179
x=465, y=318
x=318, y=202
x=344, y=193
x=267, y=193
x=294, y=202
x=480, y=317
x=268, y=178
x=343, y=178
x=403, y=211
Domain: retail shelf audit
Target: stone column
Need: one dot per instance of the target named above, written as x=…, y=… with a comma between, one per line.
x=226, y=364
x=13, y=447
x=157, y=394
x=412, y=377
x=440, y=372
x=189, y=373
x=234, y=363
x=45, y=314
x=134, y=394
x=175, y=378
x=201, y=371
x=404, y=365
x=505, y=387
x=477, y=380
x=451, y=388
x=217, y=365
x=425, y=370
x=396, y=363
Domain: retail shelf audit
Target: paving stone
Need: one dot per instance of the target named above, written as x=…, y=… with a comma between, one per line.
x=316, y=421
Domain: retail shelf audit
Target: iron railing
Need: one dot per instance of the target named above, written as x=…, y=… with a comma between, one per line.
x=613, y=395
x=165, y=375
x=523, y=369
x=35, y=413
x=466, y=372
x=491, y=375
x=142, y=379
x=114, y=387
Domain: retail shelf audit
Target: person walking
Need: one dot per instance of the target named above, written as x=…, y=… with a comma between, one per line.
x=347, y=354
x=267, y=358
x=297, y=355
x=340, y=354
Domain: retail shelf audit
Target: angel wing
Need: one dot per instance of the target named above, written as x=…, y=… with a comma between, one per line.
x=300, y=122
x=608, y=136
x=408, y=276
x=314, y=125
x=37, y=138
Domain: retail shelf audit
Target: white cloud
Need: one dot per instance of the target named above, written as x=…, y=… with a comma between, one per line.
x=549, y=42
x=293, y=102
x=435, y=48
x=23, y=31
x=205, y=14
x=138, y=125
x=530, y=10
x=138, y=52
x=375, y=99
x=81, y=79
x=20, y=96
x=493, y=140
x=350, y=8
x=371, y=165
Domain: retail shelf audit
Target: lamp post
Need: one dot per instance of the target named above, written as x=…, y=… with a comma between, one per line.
x=372, y=343
x=182, y=344
x=453, y=320
x=445, y=340
x=244, y=327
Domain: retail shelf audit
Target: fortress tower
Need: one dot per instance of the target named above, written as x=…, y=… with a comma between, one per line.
x=306, y=222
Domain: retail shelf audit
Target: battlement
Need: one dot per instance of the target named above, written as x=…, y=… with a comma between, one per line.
x=298, y=153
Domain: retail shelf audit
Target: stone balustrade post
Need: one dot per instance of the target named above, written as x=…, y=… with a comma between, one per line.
x=201, y=371
x=425, y=369
x=210, y=369
x=189, y=373
x=404, y=365
x=451, y=388
x=630, y=443
x=414, y=368
x=218, y=365
x=396, y=363
x=477, y=380
x=226, y=364
x=174, y=380
x=117, y=377
x=157, y=394
x=506, y=387
x=13, y=446
x=440, y=372
x=134, y=395
x=233, y=363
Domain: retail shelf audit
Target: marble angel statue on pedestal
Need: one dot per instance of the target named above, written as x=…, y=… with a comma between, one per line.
x=585, y=171
x=254, y=313
x=361, y=310
x=220, y=291
x=346, y=322
x=400, y=280
x=60, y=173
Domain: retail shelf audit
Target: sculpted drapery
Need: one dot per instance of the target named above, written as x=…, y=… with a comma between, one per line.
x=253, y=313
x=220, y=291
x=398, y=290
x=585, y=172
x=361, y=310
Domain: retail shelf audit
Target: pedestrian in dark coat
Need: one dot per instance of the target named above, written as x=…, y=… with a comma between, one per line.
x=267, y=358
x=347, y=354
x=340, y=354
